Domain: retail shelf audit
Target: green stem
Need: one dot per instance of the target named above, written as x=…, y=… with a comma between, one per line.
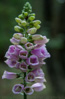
x=25, y=96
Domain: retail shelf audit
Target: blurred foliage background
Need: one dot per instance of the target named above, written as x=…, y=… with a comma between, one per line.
x=52, y=15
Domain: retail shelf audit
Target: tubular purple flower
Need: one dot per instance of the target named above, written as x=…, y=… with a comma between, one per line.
x=14, y=41
x=38, y=72
x=9, y=75
x=38, y=87
x=40, y=79
x=23, y=54
x=23, y=67
x=42, y=42
x=41, y=52
x=18, y=88
x=29, y=46
x=17, y=65
x=18, y=49
x=7, y=55
x=11, y=62
x=41, y=61
x=14, y=57
x=30, y=77
x=13, y=50
x=32, y=60
x=28, y=90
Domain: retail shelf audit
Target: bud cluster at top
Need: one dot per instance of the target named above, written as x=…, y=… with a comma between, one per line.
x=27, y=54
x=26, y=20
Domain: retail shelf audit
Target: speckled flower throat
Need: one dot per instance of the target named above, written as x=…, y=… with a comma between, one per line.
x=27, y=54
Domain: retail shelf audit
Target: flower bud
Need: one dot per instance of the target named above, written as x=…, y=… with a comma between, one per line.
x=37, y=37
x=21, y=16
x=17, y=35
x=32, y=14
x=23, y=40
x=17, y=28
x=38, y=26
x=25, y=13
x=32, y=30
x=31, y=18
x=36, y=22
x=18, y=20
x=23, y=23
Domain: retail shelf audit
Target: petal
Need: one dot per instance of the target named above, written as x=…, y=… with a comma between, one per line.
x=9, y=75
x=11, y=63
x=38, y=86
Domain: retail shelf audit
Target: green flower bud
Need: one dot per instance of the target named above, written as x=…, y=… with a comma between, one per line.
x=36, y=22
x=32, y=14
x=23, y=23
x=31, y=18
x=18, y=20
x=17, y=28
x=23, y=40
x=38, y=26
x=32, y=30
x=37, y=37
x=25, y=13
x=21, y=16
x=19, y=24
x=17, y=36
x=30, y=11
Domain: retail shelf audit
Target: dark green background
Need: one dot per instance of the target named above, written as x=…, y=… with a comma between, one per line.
x=52, y=15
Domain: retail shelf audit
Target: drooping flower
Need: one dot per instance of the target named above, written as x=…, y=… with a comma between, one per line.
x=14, y=41
x=17, y=65
x=38, y=86
x=41, y=52
x=9, y=75
x=30, y=77
x=38, y=72
x=11, y=62
x=40, y=79
x=18, y=88
x=23, y=67
x=33, y=60
x=13, y=50
x=16, y=38
x=28, y=90
x=42, y=42
x=29, y=46
x=23, y=54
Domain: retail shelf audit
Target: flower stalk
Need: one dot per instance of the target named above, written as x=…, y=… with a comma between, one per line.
x=25, y=96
